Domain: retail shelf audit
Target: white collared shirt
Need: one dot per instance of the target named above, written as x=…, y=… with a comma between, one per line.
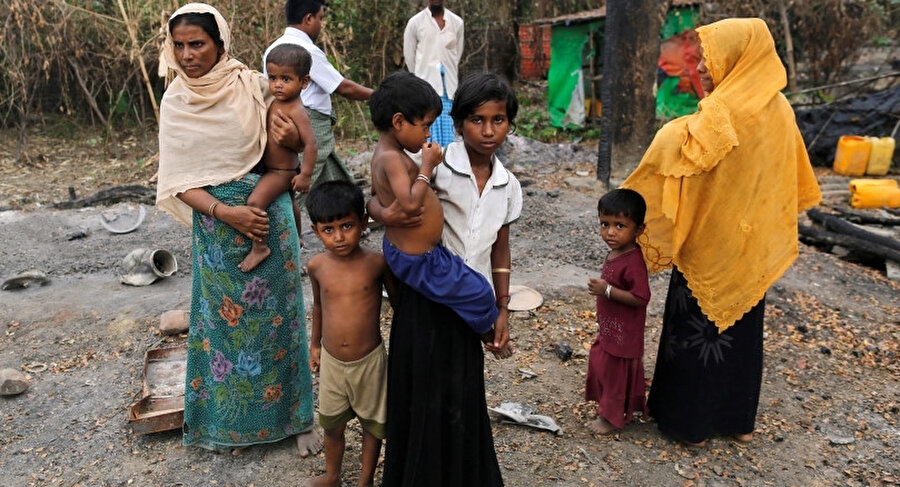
x=324, y=78
x=471, y=221
x=426, y=46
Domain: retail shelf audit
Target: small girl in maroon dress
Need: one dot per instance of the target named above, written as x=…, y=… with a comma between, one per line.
x=615, y=377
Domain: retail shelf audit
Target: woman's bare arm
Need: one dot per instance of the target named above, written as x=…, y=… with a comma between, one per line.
x=249, y=221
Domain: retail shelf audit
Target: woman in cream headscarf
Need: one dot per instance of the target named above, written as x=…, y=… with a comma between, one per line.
x=248, y=378
x=723, y=189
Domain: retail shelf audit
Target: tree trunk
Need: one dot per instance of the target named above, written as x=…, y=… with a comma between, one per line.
x=630, y=55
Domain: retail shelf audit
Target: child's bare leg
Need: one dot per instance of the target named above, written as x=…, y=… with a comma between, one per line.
x=601, y=426
x=371, y=448
x=334, y=456
x=297, y=216
x=267, y=189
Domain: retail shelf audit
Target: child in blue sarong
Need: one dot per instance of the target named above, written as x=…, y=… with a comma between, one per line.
x=403, y=109
x=436, y=365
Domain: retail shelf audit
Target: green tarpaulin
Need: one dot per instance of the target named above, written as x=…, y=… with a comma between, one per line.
x=565, y=93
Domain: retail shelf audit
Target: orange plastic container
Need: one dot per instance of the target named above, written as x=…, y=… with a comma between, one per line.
x=880, y=156
x=857, y=185
x=852, y=155
x=876, y=196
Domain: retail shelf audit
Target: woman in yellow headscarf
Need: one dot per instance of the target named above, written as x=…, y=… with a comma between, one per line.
x=723, y=189
x=248, y=378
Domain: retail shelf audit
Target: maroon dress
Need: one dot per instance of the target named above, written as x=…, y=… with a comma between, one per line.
x=615, y=378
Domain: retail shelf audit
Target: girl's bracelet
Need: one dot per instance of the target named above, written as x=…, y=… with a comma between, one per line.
x=422, y=177
x=500, y=270
x=608, y=290
x=503, y=305
x=212, y=209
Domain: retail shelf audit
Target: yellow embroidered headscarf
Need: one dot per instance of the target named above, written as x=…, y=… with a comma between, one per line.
x=212, y=129
x=724, y=185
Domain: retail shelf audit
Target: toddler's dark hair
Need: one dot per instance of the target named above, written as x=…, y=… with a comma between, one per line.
x=626, y=202
x=331, y=200
x=404, y=93
x=477, y=89
x=291, y=55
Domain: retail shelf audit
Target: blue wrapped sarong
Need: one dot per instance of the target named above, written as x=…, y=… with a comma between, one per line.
x=444, y=278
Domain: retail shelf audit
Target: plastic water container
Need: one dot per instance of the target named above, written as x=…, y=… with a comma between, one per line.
x=857, y=185
x=876, y=196
x=880, y=156
x=852, y=155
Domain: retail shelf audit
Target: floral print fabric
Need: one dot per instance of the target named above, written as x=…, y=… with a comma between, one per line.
x=248, y=378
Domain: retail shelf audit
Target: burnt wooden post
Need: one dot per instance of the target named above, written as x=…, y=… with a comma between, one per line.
x=630, y=55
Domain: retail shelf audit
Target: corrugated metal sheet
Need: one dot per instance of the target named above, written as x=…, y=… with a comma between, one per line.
x=597, y=13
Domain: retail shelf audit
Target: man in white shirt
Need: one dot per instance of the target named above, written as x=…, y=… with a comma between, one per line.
x=434, y=37
x=304, y=19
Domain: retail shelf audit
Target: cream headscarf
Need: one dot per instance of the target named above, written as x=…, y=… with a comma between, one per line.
x=213, y=128
x=724, y=185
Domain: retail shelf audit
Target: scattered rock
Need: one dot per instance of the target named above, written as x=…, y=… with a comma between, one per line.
x=892, y=270
x=13, y=382
x=563, y=351
x=76, y=234
x=174, y=321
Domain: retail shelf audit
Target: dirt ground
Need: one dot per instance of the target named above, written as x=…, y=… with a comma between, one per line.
x=828, y=413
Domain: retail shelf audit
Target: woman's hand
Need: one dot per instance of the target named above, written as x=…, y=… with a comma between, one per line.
x=284, y=132
x=247, y=220
x=597, y=286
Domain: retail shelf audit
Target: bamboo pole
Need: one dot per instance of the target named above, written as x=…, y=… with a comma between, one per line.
x=789, y=44
x=140, y=57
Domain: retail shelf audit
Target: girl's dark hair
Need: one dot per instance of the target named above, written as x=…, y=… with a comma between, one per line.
x=404, y=93
x=626, y=202
x=204, y=20
x=291, y=55
x=477, y=89
x=295, y=10
x=331, y=200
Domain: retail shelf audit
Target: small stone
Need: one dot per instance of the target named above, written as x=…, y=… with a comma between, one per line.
x=892, y=269
x=553, y=193
x=563, y=351
x=174, y=321
x=589, y=185
x=13, y=382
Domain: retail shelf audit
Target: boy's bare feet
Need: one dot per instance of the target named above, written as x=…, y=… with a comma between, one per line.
x=601, y=426
x=309, y=442
x=324, y=481
x=256, y=255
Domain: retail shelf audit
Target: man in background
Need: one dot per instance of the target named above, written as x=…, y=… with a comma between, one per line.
x=304, y=19
x=434, y=38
